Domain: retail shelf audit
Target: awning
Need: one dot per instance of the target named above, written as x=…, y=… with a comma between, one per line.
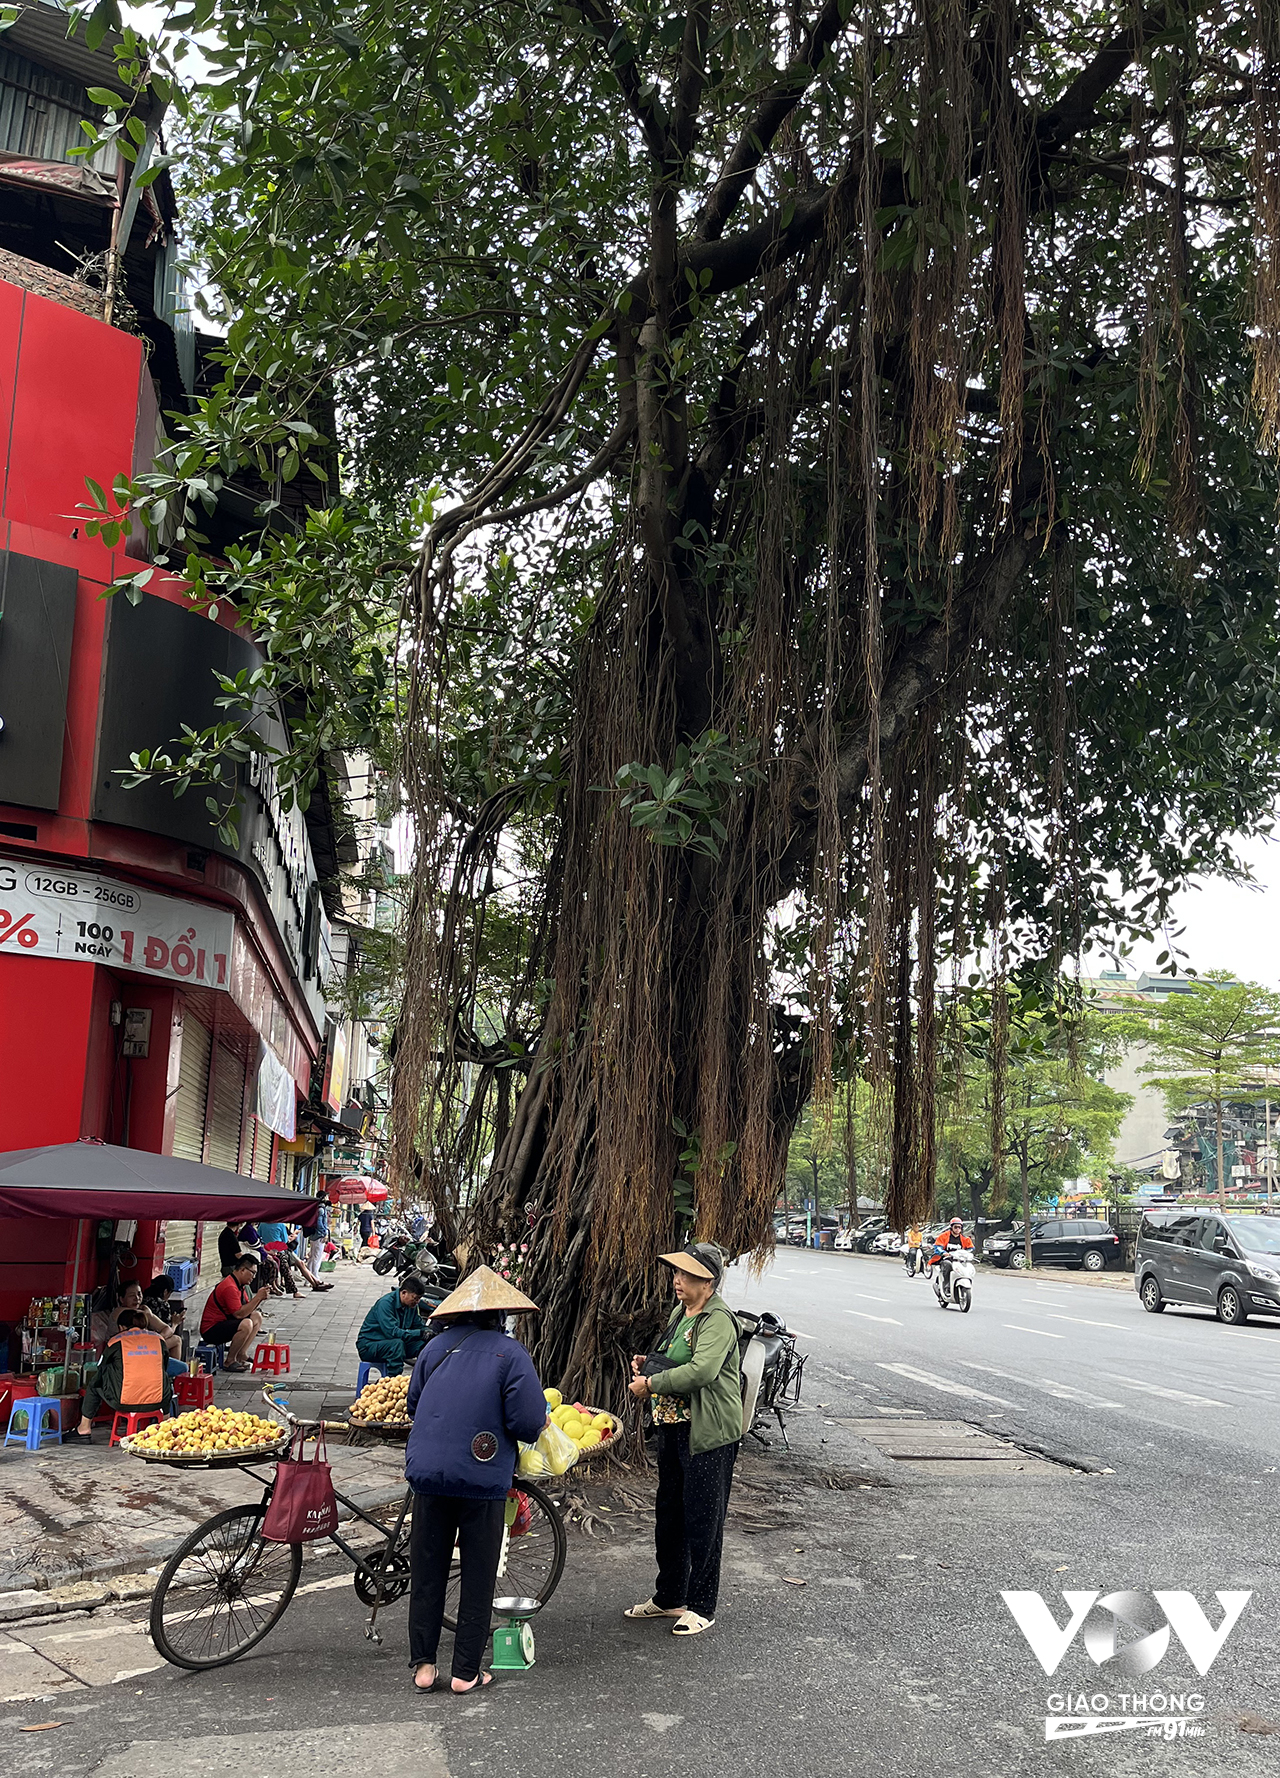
x=95, y=1179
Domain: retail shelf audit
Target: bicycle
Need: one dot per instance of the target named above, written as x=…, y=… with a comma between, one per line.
x=225, y=1587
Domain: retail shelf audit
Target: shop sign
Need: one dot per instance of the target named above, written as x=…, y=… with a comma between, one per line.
x=82, y=917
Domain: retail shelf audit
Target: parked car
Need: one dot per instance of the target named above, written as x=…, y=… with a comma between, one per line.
x=1230, y=1264
x=845, y=1239
x=868, y=1232
x=887, y=1241
x=1069, y=1241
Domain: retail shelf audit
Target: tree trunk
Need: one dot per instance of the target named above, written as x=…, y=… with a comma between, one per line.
x=1222, y=1184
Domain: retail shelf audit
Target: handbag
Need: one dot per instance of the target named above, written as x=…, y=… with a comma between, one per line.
x=303, y=1505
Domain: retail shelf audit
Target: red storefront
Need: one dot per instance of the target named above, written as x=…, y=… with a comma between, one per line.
x=157, y=990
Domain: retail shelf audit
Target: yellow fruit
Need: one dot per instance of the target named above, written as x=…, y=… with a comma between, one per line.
x=590, y=1439
x=602, y=1423
x=553, y=1397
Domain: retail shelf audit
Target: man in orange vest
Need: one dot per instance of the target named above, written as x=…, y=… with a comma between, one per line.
x=131, y=1375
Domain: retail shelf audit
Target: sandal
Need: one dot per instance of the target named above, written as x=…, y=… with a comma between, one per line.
x=435, y=1676
x=461, y=1686
x=691, y=1624
x=648, y=1609
x=236, y=1367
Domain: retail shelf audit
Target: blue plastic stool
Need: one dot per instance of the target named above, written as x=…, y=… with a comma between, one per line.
x=37, y=1408
x=213, y=1358
x=362, y=1375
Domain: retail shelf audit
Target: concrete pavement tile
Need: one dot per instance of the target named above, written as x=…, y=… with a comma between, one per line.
x=409, y=1749
x=25, y=1674
x=100, y=1652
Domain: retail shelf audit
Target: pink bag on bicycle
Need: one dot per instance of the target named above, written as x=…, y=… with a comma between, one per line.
x=303, y=1505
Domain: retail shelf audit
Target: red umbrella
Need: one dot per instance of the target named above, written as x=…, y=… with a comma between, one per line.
x=376, y=1192
x=357, y=1191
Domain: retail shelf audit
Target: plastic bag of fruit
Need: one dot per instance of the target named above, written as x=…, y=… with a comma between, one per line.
x=551, y=1454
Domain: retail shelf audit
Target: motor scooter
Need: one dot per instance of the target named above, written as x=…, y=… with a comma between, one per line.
x=957, y=1291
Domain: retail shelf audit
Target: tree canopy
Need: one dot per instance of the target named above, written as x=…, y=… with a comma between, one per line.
x=823, y=464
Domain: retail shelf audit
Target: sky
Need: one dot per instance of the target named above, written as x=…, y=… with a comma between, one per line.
x=1228, y=926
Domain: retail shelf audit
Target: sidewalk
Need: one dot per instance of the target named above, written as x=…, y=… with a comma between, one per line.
x=73, y=1511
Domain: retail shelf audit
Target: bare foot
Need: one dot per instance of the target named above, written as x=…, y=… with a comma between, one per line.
x=469, y=1685
x=424, y=1677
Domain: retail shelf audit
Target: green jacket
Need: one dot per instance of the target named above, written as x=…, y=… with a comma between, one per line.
x=711, y=1379
x=389, y=1322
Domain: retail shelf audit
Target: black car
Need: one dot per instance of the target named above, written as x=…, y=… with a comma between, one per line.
x=1069, y=1241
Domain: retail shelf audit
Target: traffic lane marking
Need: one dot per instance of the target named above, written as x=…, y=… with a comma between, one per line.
x=1062, y=1391
x=1083, y=1322
x=1199, y=1401
x=1044, y=1333
x=943, y=1383
x=863, y=1297
x=864, y=1316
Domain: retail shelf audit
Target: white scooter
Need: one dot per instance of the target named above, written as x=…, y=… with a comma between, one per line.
x=958, y=1289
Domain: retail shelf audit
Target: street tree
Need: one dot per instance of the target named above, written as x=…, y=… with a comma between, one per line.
x=821, y=484
x=1056, y=1120
x=1211, y=1043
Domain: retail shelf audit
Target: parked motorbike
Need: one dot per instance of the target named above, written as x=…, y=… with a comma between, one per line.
x=772, y=1372
x=957, y=1290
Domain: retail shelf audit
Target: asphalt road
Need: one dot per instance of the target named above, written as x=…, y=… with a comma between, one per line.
x=861, y=1628
x=1078, y=1370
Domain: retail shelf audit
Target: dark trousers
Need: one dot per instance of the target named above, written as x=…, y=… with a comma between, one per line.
x=440, y=1521
x=693, y=1498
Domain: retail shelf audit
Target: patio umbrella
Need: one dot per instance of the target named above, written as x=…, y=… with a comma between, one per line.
x=95, y=1179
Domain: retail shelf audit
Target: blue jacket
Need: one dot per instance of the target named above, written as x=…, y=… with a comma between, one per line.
x=473, y=1393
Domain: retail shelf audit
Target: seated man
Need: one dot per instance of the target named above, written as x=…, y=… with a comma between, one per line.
x=391, y=1334
x=132, y=1374
x=231, y=1315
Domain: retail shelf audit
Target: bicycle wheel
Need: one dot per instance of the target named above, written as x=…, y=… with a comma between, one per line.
x=535, y=1557
x=222, y=1590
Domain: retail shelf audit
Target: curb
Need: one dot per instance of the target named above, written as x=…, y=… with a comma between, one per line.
x=92, y=1588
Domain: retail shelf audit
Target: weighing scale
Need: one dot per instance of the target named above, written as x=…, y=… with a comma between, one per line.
x=513, y=1641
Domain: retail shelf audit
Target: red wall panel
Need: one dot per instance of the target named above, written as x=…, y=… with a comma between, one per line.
x=74, y=414
x=44, y=1037
x=10, y=335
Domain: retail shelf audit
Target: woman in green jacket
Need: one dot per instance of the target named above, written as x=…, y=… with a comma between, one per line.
x=696, y=1394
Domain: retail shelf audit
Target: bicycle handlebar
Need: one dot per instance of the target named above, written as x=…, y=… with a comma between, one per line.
x=303, y=1425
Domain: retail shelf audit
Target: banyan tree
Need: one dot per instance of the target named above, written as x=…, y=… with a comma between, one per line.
x=836, y=451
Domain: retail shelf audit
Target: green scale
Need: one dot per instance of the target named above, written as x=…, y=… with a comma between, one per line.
x=513, y=1641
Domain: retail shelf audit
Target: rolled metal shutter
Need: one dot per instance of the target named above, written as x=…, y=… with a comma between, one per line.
x=189, y=1104
x=260, y=1166
x=227, y=1109
x=284, y=1171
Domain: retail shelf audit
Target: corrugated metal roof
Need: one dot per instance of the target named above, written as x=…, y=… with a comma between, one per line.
x=40, y=114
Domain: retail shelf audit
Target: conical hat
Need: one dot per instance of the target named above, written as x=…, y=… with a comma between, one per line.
x=482, y=1290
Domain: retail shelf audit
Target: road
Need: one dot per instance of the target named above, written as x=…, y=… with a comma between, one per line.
x=1076, y=1369
x=861, y=1628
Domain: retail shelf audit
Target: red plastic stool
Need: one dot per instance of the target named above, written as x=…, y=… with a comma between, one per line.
x=133, y=1422
x=270, y=1358
x=193, y=1392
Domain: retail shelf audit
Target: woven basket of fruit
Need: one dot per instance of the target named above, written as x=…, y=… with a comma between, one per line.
x=593, y=1430
x=210, y=1436
x=380, y=1406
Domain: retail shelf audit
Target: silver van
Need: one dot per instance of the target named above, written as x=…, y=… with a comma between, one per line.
x=1227, y=1263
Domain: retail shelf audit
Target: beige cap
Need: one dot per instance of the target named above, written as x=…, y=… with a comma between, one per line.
x=484, y=1289
x=701, y=1260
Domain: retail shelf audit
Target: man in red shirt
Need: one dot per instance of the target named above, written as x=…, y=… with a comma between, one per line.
x=231, y=1316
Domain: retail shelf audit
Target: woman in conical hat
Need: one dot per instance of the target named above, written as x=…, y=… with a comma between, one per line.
x=473, y=1393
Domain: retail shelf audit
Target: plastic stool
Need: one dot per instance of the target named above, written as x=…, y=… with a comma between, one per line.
x=37, y=1409
x=270, y=1358
x=213, y=1358
x=135, y=1421
x=367, y=1368
x=193, y=1392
